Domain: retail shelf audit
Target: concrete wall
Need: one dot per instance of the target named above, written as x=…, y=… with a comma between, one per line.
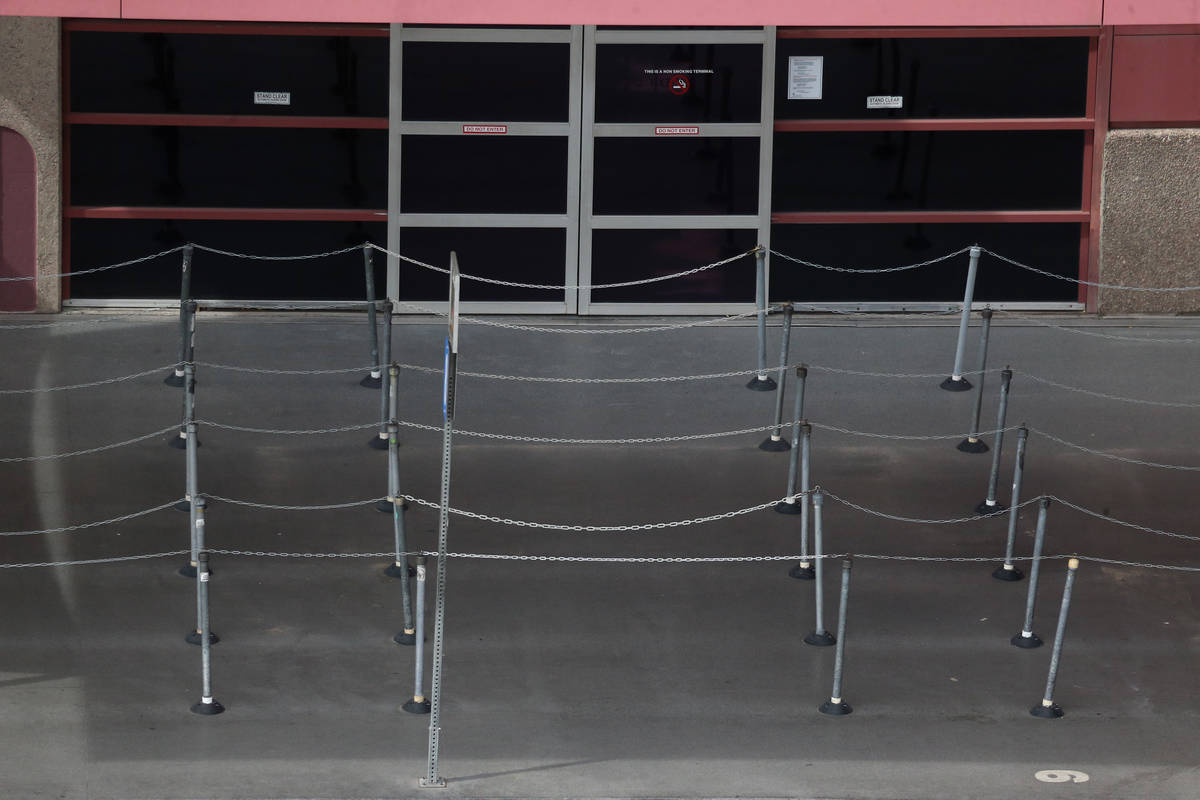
x=1150, y=225
x=30, y=104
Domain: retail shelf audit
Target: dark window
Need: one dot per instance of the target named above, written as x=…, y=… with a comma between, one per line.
x=484, y=174
x=945, y=170
x=487, y=81
x=228, y=167
x=678, y=82
x=676, y=175
x=218, y=74
x=624, y=255
x=97, y=242
x=1050, y=246
x=1001, y=77
x=528, y=255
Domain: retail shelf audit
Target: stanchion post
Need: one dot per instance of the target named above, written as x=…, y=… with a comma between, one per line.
x=804, y=570
x=1027, y=639
x=189, y=409
x=789, y=505
x=762, y=382
x=990, y=505
x=375, y=378
x=835, y=706
x=1008, y=571
x=207, y=706
x=196, y=636
x=391, y=440
x=189, y=570
x=388, y=386
x=419, y=704
x=819, y=636
x=973, y=444
x=185, y=295
x=1048, y=709
x=775, y=443
x=956, y=382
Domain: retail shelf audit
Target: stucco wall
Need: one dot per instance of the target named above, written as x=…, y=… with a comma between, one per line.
x=1150, y=227
x=30, y=103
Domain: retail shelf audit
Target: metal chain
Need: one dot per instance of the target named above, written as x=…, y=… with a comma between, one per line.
x=877, y=270
x=1092, y=283
x=911, y=437
x=244, y=429
x=93, y=270
x=841, y=371
x=328, y=507
x=254, y=257
x=1112, y=456
x=1175, y=567
x=274, y=554
x=104, y=382
x=91, y=450
x=84, y=525
x=264, y=371
x=897, y=518
x=1118, y=398
x=111, y=560
x=573, y=329
x=1123, y=523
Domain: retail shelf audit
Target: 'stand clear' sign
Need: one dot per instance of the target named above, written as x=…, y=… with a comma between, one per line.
x=885, y=101
x=272, y=98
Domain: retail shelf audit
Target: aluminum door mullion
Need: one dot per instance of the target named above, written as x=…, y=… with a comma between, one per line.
x=703, y=129
x=766, y=149
x=483, y=220
x=395, y=117
x=587, y=176
x=574, y=137
x=455, y=128
x=496, y=35
x=679, y=37
x=675, y=222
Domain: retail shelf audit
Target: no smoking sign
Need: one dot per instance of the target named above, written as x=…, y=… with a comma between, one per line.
x=680, y=84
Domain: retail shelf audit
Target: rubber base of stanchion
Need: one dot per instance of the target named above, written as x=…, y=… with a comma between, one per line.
x=960, y=385
x=784, y=507
x=194, y=638
x=1026, y=642
x=405, y=638
x=983, y=508
x=820, y=639
x=802, y=573
x=968, y=446
x=1002, y=574
x=771, y=445
x=173, y=380
x=371, y=382
x=835, y=709
x=416, y=707
x=763, y=385
x=208, y=709
x=378, y=444
x=396, y=571
x=1053, y=711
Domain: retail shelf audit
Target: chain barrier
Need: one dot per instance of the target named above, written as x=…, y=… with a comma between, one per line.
x=1081, y=332
x=911, y=437
x=83, y=562
x=327, y=507
x=1115, y=286
x=876, y=270
x=104, y=382
x=1102, y=395
x=312, y=431
x=85, y=525
x=265, y=371
x=897, y=518
x=1123, y=523
x=253, y=257
x=89, y=451
x=1112, y=456
x=93, y=270
x=842, y=371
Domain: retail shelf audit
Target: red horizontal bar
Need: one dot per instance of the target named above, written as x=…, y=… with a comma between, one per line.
x=250, y=214
x=851, y=217
x=253, y=28
x=224, y=120
x=934, y=33
x=971, y=124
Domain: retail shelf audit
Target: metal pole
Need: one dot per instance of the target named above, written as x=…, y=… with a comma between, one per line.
x=1027, y=638
x=1006, y=571
x=775, y=442
x=387, y=388
x=819, y=636
x=418, y=704
x=789, y=505
x=189, y=409
x=196, y=636
x=804, y=571
x=399, y=568
x=373, y=380
x=1048, y=708
x=956, y=382
x=207, y=705
x=432, y=778
x=185, y=294
x=391, y=441
x=973, y=444
x=835, y=706
x=190, y=497
x=762, y=382
x=990, y=505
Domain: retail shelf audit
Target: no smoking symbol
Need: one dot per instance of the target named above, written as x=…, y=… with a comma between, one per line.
x=679, y=84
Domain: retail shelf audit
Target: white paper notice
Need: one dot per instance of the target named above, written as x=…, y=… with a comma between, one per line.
x=805, y=77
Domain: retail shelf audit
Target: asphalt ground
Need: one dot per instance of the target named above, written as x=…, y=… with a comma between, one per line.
x=586, y=679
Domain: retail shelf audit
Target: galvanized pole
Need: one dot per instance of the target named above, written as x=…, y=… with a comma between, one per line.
x=207, y=705
x=819, y=636
x=835, y=706
x=196, y=636
x=1027, y=638
x=373, y=380
x=762, y=382
x=399, y=569
x=387, y=388
x=956, y=382
x=432, y=778
x=189, y=570
x=185, y=295
x=973, y=444
x=990, y=504
x=804, y=570
x=189, y=410
x=391, y=442
x=419, y=704
x=789, y=505
x=775, y=442
x=1007, y=571
x=1048, y=709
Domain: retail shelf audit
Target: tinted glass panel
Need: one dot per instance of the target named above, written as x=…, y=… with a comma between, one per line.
x=1050, y=246
x=484, y=174
x=219, y=74
x=527, y=255
x=624, y=255
x=945, y=170
x=487, y=81
x=676, y=175
x=96, y=242
x=678, y=82
x=228, y=167
x=1004, y=77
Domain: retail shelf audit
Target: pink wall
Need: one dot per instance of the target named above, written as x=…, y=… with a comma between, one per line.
x=1152, y=12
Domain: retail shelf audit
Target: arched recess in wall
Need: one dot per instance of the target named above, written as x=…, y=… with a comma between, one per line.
x=18, y=221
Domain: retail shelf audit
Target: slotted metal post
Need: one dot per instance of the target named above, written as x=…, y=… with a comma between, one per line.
x=419, y=704
x=775, y=442
x=432, y=778
x=196, y=636
x=387, y=388
x=189, y=409
x=804, y=570
x=207, y=706
x=1027, y=639
x=185, y=296
x=973, y=444
x=1008, y=571
x=189, y=570
x=956, y=382
x=372, y=380
x=819, y=636
x=762, y=382
x=789, y=505
x=1048, y=709
x=391, y=442
x=835, y=706
x=990, y=504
